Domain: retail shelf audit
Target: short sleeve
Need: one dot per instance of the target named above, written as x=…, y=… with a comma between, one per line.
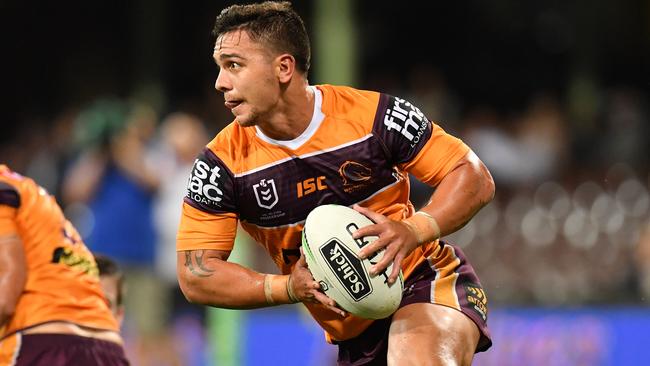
x=210, y=187
x=414, y=143
x=203, y=230
x=402, y=128
x=209, y=218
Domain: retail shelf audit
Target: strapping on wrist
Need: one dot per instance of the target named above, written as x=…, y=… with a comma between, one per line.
x=424, y=227
x=292, y=296
x=277, y=290
x=268, y=289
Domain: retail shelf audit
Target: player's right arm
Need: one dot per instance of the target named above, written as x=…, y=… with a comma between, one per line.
x=13, y=268
x=206, y=277
x=205, y=238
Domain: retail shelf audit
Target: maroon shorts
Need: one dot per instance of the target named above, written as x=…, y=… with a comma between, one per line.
x=65, y=349
x=445, y=279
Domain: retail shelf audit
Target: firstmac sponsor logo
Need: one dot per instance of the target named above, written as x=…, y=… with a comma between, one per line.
x=347, y=268
x=203, y=185
x=407, y=119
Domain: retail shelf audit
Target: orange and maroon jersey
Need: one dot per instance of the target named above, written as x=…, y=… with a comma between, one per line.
x=358, y=148
x=62, y=276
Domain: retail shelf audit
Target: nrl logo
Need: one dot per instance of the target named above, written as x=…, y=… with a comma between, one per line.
x=265, y=193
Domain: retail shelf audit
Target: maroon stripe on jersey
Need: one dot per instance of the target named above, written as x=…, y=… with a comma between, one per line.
x=284, y=194
x=9, y=196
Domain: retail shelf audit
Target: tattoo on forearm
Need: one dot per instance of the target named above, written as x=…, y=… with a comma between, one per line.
x=194, y=262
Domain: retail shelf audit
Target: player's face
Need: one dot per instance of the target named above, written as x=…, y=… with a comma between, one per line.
x=247, y=77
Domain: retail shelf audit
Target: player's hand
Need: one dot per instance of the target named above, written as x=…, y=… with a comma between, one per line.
x=307, y=289
x=395, y=237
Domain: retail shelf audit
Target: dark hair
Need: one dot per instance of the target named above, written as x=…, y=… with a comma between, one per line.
x=108, y=267
x=275, y=24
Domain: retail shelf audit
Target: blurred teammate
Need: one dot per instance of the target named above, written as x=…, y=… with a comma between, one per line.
x=111, y=279
x=52, y=311
x=293, y=147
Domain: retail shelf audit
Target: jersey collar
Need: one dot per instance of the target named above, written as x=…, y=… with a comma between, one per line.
x=316, y=119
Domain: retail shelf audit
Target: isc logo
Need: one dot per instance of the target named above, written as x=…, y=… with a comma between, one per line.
x=311, y=185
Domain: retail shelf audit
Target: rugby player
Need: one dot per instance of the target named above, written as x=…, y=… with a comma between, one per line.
x=294, y=146
x=52, y=309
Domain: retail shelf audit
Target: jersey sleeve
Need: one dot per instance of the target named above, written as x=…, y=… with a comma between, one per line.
x=211, y=185
x=209, y=216
x=202, y=230
x=414, y=143
x=9, y=203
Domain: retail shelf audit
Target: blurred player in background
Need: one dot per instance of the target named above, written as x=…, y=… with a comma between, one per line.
x=293, y=147
x=52, y=310
x=115, y=179
x=112, y=280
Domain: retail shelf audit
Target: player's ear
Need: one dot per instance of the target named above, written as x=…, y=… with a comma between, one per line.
x=285, y=67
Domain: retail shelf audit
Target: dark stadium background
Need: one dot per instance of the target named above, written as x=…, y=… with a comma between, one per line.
x=499, y=74
x=491, y=52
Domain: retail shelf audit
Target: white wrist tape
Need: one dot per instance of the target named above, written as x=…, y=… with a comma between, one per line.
x=424, y=227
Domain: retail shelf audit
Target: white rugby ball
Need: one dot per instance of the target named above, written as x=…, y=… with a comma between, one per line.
x=331, y=254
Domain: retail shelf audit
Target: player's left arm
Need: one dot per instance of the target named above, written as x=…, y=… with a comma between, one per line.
x=463, y=184
x=459, y=196
x=466, y=189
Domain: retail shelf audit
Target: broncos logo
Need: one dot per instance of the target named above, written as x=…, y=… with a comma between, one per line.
x=354, y=175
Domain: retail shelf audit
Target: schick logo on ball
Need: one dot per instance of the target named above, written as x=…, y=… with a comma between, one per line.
x=347, y=268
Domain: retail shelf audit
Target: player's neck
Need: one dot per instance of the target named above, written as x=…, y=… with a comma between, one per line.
x=293, y=113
